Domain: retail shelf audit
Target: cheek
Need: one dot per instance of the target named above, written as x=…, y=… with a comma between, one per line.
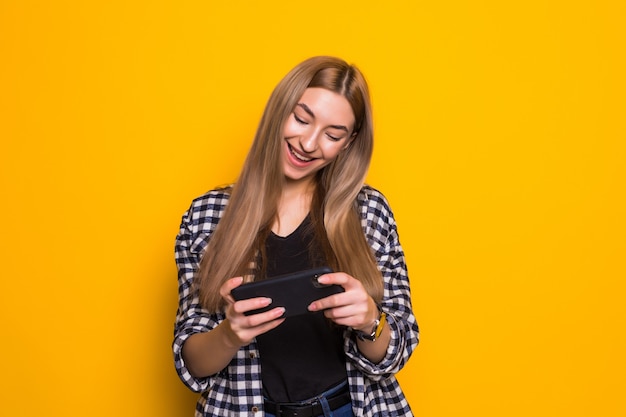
x=291, y=128
x=286, y=129
x=332, y=149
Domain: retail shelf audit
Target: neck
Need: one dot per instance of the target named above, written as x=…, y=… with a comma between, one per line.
x=293, y=206
x=299, y=194
x=295, y=189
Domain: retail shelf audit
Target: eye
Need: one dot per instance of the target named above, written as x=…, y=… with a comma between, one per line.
x=333, y=138
x=299, y=120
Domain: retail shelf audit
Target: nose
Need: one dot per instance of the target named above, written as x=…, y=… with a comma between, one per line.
x=308, y=143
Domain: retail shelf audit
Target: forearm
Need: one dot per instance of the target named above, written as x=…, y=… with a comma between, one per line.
x=208, y=353
x=375, y=350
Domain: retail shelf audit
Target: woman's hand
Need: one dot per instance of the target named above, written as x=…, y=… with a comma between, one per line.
x=207, y=353
x=241, y=329
x=354, y=307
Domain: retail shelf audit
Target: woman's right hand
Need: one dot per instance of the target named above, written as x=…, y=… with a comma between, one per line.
x=235, y=331
x=242, y=329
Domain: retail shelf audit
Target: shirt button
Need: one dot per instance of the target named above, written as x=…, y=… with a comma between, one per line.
x=252, y=355
x=255, y=409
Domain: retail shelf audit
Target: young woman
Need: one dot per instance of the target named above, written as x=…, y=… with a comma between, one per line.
x=299, y=202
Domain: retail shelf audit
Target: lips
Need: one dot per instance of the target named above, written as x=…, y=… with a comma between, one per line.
x=298, y=156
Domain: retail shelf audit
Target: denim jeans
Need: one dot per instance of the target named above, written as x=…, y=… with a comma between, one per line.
x=343, y=411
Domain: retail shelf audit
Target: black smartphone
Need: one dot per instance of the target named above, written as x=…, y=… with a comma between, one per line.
x=293, y=291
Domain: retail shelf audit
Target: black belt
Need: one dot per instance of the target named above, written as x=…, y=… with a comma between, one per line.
x=306, y=410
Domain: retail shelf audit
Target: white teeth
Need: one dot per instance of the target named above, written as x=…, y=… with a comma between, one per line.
x=298, y=156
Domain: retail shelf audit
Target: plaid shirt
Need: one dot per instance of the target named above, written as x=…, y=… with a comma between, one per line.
x=237, y=389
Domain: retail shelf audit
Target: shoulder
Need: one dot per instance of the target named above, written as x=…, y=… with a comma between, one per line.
x=376, y=216
x=215, y=199
x=372, y=203
x=209, y=207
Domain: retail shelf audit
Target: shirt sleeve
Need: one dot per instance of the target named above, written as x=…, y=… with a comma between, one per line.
x=382, y=234
x=191, y=318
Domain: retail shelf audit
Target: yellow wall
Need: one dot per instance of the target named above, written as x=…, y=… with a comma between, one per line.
x=500, y=144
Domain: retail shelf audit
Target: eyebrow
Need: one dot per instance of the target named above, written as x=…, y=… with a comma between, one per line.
x=310, y=113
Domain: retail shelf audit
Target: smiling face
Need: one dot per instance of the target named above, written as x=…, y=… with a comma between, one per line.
x=318, y=129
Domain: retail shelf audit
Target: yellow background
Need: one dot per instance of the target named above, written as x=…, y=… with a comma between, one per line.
x=500, y=145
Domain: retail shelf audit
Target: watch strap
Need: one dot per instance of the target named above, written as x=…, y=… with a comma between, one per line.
x=377, y=330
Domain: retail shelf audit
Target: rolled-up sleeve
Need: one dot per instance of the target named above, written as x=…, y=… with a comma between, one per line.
x=381, y=231
x=191, y=318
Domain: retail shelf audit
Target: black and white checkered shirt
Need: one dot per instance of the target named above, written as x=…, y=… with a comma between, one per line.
x=237, y=389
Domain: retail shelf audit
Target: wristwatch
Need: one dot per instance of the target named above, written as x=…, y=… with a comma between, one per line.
x=379, y=325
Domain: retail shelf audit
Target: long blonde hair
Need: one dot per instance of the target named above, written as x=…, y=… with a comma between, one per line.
x=236, y=242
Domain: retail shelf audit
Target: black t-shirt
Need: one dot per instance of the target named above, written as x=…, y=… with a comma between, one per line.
x=304, y=356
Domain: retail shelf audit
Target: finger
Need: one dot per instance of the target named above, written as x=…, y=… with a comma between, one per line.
x=331, y=301
x=246, y=334
x=348, y=321
x=255, y=323
x=260, y=319
x=354, y=313
x=249, y=304
x=355, y=296
x=228, y=286
x=338, y=278
x=263, y=328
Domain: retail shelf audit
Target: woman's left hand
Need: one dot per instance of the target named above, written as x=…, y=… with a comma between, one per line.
x=353, y=308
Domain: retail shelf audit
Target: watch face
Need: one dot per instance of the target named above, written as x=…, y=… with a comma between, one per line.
x=364, y=336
